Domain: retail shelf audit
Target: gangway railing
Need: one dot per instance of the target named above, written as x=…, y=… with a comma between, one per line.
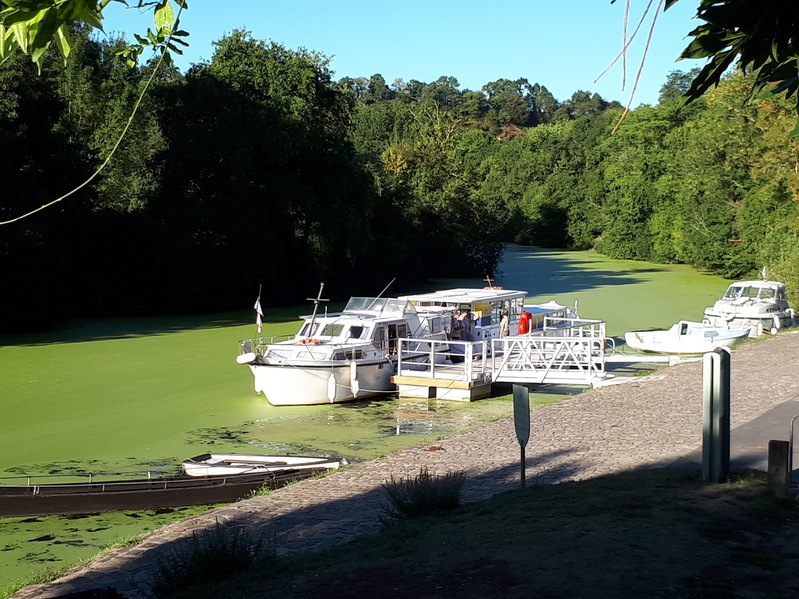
x=570, y=351
x=450, y=360
x=565, y=351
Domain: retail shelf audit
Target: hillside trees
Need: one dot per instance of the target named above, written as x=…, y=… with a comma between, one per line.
x=256, y=168
x=264, y=186
x=39, y=162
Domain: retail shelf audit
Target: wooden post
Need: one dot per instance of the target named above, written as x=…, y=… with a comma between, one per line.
x=778, y=470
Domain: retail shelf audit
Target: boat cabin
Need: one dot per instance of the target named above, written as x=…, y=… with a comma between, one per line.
x=379, y=321
x=475, y=314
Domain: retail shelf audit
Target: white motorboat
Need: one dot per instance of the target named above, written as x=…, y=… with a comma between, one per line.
x=755, y=305
x=685, y=337
x=343, y=356
x=340, y=356
x=230, y=464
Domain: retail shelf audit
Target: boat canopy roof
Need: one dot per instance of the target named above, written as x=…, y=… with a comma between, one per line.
x=463, y=295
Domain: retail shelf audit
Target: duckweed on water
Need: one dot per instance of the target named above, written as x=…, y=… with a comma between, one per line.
x=145, y=394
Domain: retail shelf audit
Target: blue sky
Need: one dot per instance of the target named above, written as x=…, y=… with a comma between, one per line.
x=564, y=45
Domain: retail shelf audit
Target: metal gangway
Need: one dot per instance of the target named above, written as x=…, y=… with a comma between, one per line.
x=567, y=351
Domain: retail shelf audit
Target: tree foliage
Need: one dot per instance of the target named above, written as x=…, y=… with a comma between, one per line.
x=760, y=36
x=257, y=168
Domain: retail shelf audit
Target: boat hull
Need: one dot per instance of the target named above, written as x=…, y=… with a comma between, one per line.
x=88, y=498
x=311, y=384
x=756, y=323
x=684, y=338
x=225, y=464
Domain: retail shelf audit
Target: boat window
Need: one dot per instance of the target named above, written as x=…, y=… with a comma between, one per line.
x=357, y=355
x=356, y=332
x=332, y=329
x=380, y=337
x=733, y=293
x=307, y=331
x=766, y=293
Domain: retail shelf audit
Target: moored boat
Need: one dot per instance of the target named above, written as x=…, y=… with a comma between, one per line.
x=228, y=464
x=755, y=305
x=33, y=499
x=339, y=356
x=352, y=354
x=685, y=337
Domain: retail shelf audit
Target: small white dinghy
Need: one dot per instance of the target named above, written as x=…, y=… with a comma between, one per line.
x=685, y=337
x=228, y=464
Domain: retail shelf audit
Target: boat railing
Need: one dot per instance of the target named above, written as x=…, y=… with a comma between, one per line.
x=81, y=478
x=573, y=327
x=444, y=359
x=259, y=344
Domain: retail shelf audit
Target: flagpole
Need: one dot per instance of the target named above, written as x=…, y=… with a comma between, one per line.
x=258, y=312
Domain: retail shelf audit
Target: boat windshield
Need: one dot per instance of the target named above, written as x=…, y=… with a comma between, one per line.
x=749, y=292
x=382, y=305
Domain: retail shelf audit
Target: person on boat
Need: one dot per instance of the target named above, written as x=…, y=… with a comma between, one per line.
x=504, y=324
x=457, y=325
x=467, y=334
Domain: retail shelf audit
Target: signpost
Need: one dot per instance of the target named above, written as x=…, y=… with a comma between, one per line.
x=521, y=419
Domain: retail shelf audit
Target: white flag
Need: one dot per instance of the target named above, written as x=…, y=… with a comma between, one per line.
x=258, y=315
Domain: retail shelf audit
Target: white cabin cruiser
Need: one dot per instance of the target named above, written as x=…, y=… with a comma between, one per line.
x=756, y=305
x=342, y=356
x=685, y=337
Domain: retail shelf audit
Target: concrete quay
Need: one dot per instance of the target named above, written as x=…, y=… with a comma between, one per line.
x=648, y=423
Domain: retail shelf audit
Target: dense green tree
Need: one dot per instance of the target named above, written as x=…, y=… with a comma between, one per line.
x=99, y=91
x=511, y=102
x=39, y=162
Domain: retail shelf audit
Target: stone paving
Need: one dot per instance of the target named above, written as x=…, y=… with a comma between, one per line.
x=651, y=422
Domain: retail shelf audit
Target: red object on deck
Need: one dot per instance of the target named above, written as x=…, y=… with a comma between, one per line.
x=524, y=323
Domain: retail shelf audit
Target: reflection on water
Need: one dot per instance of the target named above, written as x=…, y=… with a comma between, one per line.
x=362, y=430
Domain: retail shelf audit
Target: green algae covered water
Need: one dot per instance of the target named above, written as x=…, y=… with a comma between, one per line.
x=141, y=395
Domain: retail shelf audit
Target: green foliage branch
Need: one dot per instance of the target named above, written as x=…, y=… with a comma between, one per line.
x=32, y=25
x=761, y=35
x=21, y=25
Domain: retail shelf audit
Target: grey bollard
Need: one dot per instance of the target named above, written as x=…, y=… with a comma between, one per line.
x=716, y=416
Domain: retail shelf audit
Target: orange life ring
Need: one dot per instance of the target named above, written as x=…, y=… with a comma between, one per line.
x=524, y=323
x=310, y=342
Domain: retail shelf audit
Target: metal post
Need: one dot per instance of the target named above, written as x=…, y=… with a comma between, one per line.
x=716, y=416
x=708, y=363
x=722, y=413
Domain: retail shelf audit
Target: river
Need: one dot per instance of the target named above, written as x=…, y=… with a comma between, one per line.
x=142, y=395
